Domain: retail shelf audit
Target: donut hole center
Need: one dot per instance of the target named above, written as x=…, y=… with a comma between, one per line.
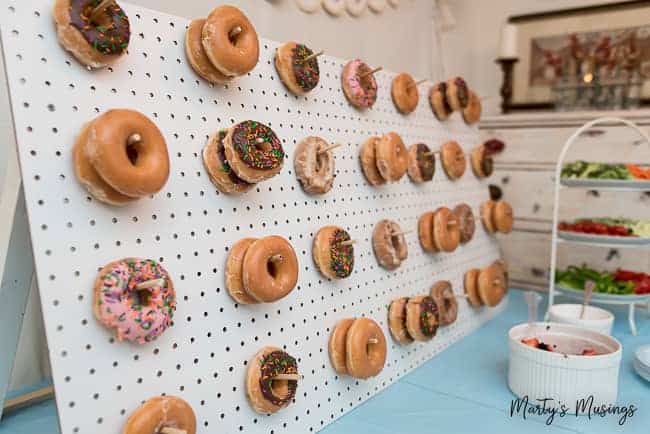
x=395, y=241
x=234, y=34
x=141, y=297
x=280, y=388
x=273, y=266
x=132, y=153
x=320, y=161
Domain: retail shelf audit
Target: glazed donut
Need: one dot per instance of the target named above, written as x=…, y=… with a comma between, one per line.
x=264, y=392
x=308, y=6
x=422, y=163
x=334, y=7
x=487, y=212
x=218, y=168
x=481, y=162
x=425, y=232
x=389, y=244
x=333, y=260
x=491, y=285
x=336, y=345
x=472, y=113
x=356, y=7
x=359, y=89
x=457, y=93
x=438, y=101
x=90, y=179
x=504, y=267
x=377, y=6
x=254, y=151
x=446, y=230
x=197, y=57
x=397, y=321
x=230, y=41
x=393, y=3
x=404, y=92
x=314, y=167
x=453, y=159
x=270, y=269
x=136, y=298
x=391, y=157
x=422, y=318
x=234, y=272
x=365, y=348
x=470, y=281
x=502, y=217
x=94, y=42
x=368, y=159
x=466, y=223
x=444, y=298
x=297, y=75
x=161, y=412
x=129, y=152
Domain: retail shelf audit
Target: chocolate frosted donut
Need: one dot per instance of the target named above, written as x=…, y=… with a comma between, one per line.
x=97, y=42
x=389, y=244
x=443, y=295
x=422, y=163
x=254, y=151
x=265, y=393
x=334, y=259
x=481, y=162
x=438, y=101
x=218, y=168
x=299, y=76
x=457, y=93
x=422, y=318
x=466, y=222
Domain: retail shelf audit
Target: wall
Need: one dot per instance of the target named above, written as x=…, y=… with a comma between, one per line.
x=398, y=39
x=472, y=46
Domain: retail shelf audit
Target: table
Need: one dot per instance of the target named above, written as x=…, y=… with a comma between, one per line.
x=459, y=391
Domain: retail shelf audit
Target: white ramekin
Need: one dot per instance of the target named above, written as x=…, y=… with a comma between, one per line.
x=562, y=376
x=595, y=318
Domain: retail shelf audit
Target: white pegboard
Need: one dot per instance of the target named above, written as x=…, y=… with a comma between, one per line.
x=189, y=227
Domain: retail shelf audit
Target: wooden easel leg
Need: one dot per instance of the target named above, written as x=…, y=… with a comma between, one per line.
x=14, y=291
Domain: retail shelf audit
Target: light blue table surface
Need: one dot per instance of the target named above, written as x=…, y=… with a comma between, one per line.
x=463, y=390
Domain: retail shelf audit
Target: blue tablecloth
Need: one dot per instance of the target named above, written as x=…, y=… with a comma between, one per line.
x=463, y=390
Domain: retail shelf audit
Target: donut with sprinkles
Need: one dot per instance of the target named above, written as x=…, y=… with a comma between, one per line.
x=299, y=75
x=267, y=391
x=254, y=151
x=332, y=252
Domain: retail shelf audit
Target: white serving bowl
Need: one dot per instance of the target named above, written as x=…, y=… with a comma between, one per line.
x=595, y=318
x=562, y=375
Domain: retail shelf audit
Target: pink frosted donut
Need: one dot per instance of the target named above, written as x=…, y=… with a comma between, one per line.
x=136, y=314
x=360, y=91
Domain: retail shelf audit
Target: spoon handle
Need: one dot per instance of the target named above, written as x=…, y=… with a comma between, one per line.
x=589, y=289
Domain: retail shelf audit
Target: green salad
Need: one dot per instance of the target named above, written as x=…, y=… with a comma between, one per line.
x=575, y=278
x=583, y=169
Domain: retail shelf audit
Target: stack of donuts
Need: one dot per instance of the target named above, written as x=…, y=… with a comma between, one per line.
x=222, y=46
x=418, y=318
x=357, y=347
x=384, y=159
x=455, y=95
x=487, y=286
x=497, y=216
x=243, y=155
x=440, y=230
x=261, y=270
x=121, y=156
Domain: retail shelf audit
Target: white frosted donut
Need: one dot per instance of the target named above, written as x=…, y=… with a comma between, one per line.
x=393, y=3
x=308, y=6
x=356, y=7
x=377, y=6
x=333, y=7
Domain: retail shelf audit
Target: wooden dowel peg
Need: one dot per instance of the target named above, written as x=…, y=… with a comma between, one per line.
x=430, y=153
x=329, y=148
x=234, y=32
x=312, y=56
x=133, y=139
x=150, y=284
x=399, y=233
x=348, y=242
x=365, y=74
x=461, y=295
x=276, y=258
x=259, y=140
x=99, y=9
x=373, y=341
x=417, y=83
x=288, y=377
x=170, y=430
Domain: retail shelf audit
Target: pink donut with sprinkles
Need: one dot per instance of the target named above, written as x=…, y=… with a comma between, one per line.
x=136, y=298
x=359, y=87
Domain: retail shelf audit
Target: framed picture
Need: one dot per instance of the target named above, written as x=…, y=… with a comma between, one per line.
x=609, y=41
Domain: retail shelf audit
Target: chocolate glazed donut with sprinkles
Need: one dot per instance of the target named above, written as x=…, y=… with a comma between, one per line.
x=136, y=298
x=96, y=32
x=422, y=318
x=333, y=252
x=297, y=66
x=271, y=380
x=254, y=151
